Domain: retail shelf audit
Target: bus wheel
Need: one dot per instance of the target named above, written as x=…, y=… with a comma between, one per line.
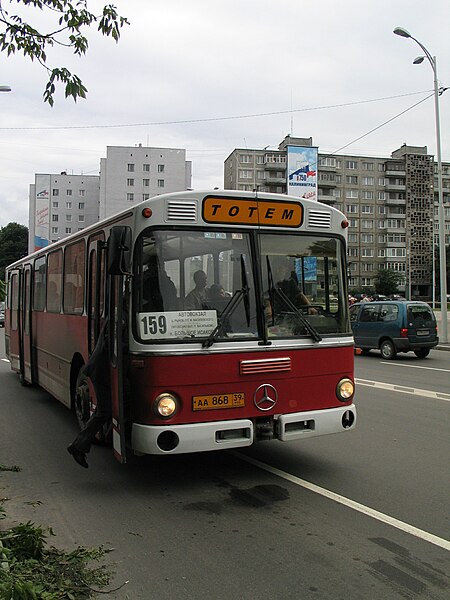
x=82, y=399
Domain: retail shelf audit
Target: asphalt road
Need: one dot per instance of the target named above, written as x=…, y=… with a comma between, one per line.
x=358, y=515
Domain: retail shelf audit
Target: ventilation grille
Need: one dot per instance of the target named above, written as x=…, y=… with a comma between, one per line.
x=265, y=365
x=181, y=210
x=319, y=218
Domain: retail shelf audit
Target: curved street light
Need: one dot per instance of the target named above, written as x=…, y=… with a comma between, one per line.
x=441, y=215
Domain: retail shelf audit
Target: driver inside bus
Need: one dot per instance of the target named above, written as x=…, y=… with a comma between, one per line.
x=198, y=297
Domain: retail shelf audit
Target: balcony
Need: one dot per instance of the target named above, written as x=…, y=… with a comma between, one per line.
x=395, y=187
x=394, y=173
x=273, y=180
x=395, y=201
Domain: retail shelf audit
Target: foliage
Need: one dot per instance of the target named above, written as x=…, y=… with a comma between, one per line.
x=2, y=290
x=68, y=22
x=13, y=245
x=387, y=281
x=31, y=571
x=13, y=468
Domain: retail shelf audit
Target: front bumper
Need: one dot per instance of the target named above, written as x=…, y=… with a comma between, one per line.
x=224, y=435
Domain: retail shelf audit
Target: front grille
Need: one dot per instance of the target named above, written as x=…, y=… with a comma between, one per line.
x=181, y=210
x=319, y=218
x=265, y=365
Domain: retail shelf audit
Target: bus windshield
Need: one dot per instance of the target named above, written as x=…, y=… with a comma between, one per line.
x=185, y=281
x=192, y=285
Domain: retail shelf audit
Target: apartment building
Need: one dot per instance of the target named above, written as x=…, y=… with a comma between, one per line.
x=129, y=175
x=60, y=205
x=391, y=204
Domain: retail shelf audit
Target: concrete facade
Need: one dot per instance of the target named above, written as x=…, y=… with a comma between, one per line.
x=129, y=175
x=391, y=204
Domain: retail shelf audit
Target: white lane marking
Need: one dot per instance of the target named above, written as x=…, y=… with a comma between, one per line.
x=404, y=390
x=390, y=364
x=366, y=510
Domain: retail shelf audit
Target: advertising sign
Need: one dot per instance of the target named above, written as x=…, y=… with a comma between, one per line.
x=42, y=212
x=302, y=171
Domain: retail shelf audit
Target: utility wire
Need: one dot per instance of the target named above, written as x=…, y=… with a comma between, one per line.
x=210, y=119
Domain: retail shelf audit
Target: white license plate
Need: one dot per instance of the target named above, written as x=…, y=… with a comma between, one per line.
x=423, y=332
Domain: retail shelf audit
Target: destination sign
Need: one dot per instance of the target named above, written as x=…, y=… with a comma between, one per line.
x=240, y=211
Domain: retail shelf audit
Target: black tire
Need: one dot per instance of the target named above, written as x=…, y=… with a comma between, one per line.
x=387, y=349
x=82, y=407
x=422, y=352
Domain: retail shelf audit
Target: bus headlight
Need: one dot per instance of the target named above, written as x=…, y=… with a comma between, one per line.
x=345, y=389
x=165, y=405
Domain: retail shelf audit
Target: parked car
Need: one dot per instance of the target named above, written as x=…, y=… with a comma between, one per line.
x=394, y=326
x=2, y=314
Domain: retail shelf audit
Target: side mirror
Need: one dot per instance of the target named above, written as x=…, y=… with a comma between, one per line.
x=119, y=251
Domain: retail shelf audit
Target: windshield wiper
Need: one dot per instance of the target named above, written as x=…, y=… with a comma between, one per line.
x=277, y=291
x=231, y=306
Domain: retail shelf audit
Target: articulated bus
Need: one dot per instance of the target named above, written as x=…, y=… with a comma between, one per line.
x=258, y=347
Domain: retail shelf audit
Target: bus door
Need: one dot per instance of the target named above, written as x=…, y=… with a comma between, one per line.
x=96, y=289
x=24, y=326
x=119, y=252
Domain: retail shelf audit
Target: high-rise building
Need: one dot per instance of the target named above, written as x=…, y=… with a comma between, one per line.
x=391, y=205
x=129, y=175
x=60, y=205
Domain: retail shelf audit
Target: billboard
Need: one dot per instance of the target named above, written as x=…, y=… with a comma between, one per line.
x=42, y=212
x=302, y=171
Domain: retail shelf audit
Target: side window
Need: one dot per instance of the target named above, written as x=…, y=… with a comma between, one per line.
x=13, y=299
x=370, y=313
x=74, y=270
x=354, y=313
x=39, y=283
x=54, y=281
x=389, y=313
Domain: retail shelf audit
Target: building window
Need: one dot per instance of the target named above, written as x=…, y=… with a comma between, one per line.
x=55, y=192
x=68, y=217
x=353, y=179
x=367, y=223
x=381, y=167
x=366, y=281
x=245, y=158
x=68, y=192
x=260, y=159
x=395, y=252
x=367, y=252
x=130, y=182
x=130, y=167
x=145, y=196
x=381, y=181
x=351, y=164
x=130, y=197
x=160, y=168
x=68, y=229
x=146, y=167
x=81, y=205
x=160, y=183
x=353, y=252
x=146, y=182
x=54, y=230
x=55, y=204
x=351, y=208
x=381, y=195
x=353, y=237
x=367, y=209
x=55, y=218
x=82, y=193
x=368, y=180
x=351, y=193
x=367, y=195
x=353, y=222
x=81, y=218
x=367, y=238
x=367, y=166
x=68, y=204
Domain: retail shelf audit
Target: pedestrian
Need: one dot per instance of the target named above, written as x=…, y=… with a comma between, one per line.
x=97, y=369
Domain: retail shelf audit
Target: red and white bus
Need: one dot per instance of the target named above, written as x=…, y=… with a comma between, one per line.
x=269, y=355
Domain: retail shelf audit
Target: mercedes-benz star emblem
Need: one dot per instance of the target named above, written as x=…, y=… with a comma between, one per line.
x=265, y=397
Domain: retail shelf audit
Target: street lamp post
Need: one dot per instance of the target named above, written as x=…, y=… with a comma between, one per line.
x=441, y=215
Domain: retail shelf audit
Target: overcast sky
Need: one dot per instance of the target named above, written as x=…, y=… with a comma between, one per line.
x=332, y=70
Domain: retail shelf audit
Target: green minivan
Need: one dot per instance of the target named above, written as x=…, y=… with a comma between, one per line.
x=393, y=326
